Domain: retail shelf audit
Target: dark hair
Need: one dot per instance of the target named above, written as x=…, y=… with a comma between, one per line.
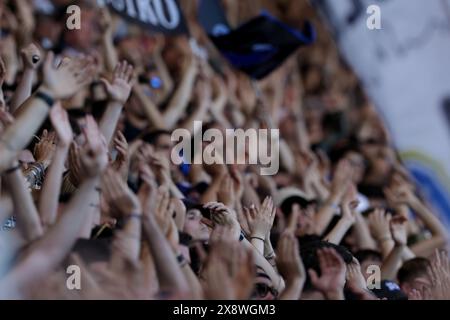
x=308, y=253
x=152, y=136
x=365, y=254
x=412, y=269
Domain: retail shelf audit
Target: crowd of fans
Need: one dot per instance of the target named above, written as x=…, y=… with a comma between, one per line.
x=86, y=118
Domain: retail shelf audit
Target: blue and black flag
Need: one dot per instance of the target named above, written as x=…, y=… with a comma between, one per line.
x=258, y=46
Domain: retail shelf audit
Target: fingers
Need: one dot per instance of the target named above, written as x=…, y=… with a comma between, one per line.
x=48, y=64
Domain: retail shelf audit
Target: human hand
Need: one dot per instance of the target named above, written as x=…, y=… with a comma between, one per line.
x=379, y=224
x=122, y=201
x=180, y=212
x=123, y=159
x=332, y=274
x=119, y=89
x=439, y=273
x=105, y=22
x=226, y=192
x=238, y=183
x=355, y=279
x=68, y=78
x=260, y=221
x=45, y=148
x=93, y=155
x=60, y=122
x=229, y=269
x=224, y=216
x=161, y=167
x=349, y=203
x=289, y=262
x=31, y=56
x=74, y=161
x=398, y=230
x=341, y=178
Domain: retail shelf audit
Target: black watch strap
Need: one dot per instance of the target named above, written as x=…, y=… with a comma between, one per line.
x=46, y=98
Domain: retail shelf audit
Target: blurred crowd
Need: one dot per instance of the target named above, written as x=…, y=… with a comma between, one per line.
x=86, y=118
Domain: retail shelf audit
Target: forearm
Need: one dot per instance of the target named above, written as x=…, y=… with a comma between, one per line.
x=19, y=134
x=164, y=72
x=49, y=251
x=62, y=235
x=385, y=245
x=23, y=91
x=109, y=52
x=48, y=202
x=154, y=117
x=168, y=270
x=429, y=219
x=293, y=289
x=109, y=120
x=198, y=115
x=210, y=194
x=128, y=240
x=392, y=263
x=337, y=233
x=180, y=100
x=326, y=213
x=258, y=243
x=261, y=262
x=24, y=207
x=193, y=282
x=362, y=233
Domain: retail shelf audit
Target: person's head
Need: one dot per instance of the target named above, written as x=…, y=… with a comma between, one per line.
x=358, y=165
x=263, y=289
x=368, y=258
x=309, y=247
x=287, y=198
x=161, y=141
x=194, y=226
x=413, y=275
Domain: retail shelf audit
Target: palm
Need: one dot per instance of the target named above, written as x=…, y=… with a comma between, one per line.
x=332, y=268
x=61, y=124
x=68, y=78
x=120, y=88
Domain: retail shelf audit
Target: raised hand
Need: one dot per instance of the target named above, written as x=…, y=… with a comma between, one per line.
x=224, y=216
x=226, y=193
x=229, y=269
x=105, y=21
x=349, y=203
x=45, y=148
x=289, y=263
x=398, y=230
x=122, y=201
x=123, y=157
x=68, y=78
x=31, y=56
x=119, y=89
x=93, y=155
x=439, y=273
x=332, y=274
x=60, y=121
x=163, y=209
x=341, y=178
x=260, y=221
x=379, y=224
